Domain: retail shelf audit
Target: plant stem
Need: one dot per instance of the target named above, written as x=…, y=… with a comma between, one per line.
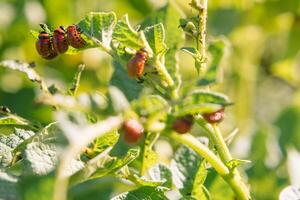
x=203, y=151
x=201, y=38
x=164, y=73
x=234, y=179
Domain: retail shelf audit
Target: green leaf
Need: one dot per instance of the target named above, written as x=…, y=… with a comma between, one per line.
x=35, y=34
x=174, y=38
x=127, y=36
x=232, y=164
x=216, y=50
x=130, y=88
x=6, y=155
x=201, y=101
x=40, y=158
x=99, y=25
x=185, y=166
x=190, y=25
x=288, y=123
x=142, y=181
x=8, y=186
x=169, y=16
x=36, y=187
x=220, y=189
x=71, y=51
x=102, y=143
x=194, y=53
x=155, y=36
x=199, y=191
x=131, y=155
x=149, y=157
x=146, y=192
x=95, y=189
x=150, y=104
x=161, y=173
x=10, y=144
x=103, y=164
x=9, y=121
x=12, y=120
x=199, y=59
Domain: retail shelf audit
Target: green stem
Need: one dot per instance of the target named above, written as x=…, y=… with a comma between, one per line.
x=234, y=179
x=164, y=73
x=201, y=39
x=203, y=151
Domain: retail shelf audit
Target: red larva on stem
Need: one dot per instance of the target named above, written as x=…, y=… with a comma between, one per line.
x=74, y=38
x=44, y=47
x=133, y=131
x=135, y=66
x=183, y=124
x=214, y=117
x=59, y=40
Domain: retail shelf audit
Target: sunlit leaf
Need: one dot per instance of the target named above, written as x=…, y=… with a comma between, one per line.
x=8, y=186
x=126, y=35
x=146, y=192
x=121, y=80
x=161, y=173
x=201, y=101
x=102, y=143
x=169, y=16
x=36, y=187
x=199, y=59
x=99, y=25
x=155, y=36
x=149, y=157
x=11, y=143
x=184, y=167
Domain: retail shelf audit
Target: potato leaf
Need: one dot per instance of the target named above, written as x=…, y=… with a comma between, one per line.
x=184, y=167
x=128, y=86
x=10, y=144
x=127, y=36
x=99, y=25
x=149, y=157
x=146, y=192
x=155, y=36
x=201, y=101
x=8, y=186
x=161, y=173
x=36, y=187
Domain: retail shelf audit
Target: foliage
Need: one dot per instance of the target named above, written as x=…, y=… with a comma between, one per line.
x=68, y=144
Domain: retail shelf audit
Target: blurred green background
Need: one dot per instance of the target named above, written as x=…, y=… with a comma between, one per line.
x=261, y=72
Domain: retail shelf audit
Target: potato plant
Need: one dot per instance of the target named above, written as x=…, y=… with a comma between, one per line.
x=106, y=141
